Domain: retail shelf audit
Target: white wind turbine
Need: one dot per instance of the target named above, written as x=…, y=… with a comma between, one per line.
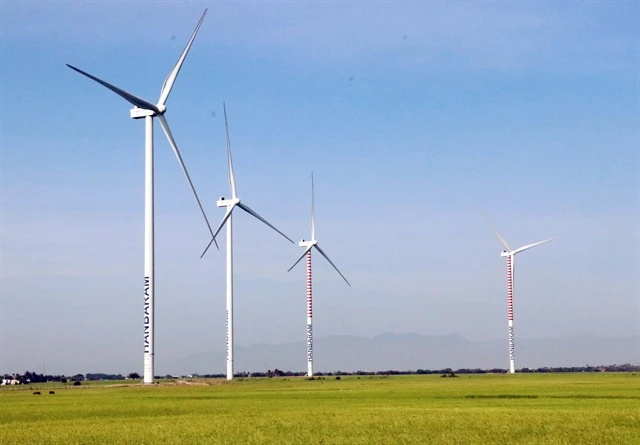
x=510, y=253
x=147, y=110
x=231, y=204
x=308, y=245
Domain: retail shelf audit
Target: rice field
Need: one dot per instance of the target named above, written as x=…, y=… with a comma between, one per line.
x=585, y=408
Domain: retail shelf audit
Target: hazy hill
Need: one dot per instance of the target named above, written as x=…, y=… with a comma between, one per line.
x=413, y=351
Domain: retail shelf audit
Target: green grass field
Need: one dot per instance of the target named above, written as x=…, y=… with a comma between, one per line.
x=602, y=408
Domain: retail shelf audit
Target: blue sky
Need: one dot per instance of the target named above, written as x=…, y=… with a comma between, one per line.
x=409, y=114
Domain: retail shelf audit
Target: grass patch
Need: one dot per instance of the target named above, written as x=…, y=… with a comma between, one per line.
x=500, y=396
x=528, y=409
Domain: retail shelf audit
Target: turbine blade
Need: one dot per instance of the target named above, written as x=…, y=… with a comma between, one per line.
x=172, y=142
x=207, y=248
x=254, y=214
x=330, y=262
x=529, y=246
x=222, y=223
x=171, y=78
x=232, y=179
x=132, y=99
x=299, y=259
x=313, y=210
x=504, y=243
x=224, y=220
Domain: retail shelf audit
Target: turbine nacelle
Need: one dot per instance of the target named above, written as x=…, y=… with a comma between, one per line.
x=222, y=202
x=141, y=113
x=505, y=253
x=304, y=243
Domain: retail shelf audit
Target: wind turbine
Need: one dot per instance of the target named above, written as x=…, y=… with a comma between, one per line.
x=147, y=110
x=308, y=245
x=231, y=204
x=510, y=254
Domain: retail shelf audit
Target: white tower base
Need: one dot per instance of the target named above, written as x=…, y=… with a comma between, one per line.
x=149, y=279
x=229, y=203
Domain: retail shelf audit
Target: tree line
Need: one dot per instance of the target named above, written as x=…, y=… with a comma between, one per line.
x=33, y=377
x=445, y=371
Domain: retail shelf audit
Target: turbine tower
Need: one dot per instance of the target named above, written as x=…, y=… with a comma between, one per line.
x=143, y=109
x=231, y=204
x=308, y=245
x=510, y=254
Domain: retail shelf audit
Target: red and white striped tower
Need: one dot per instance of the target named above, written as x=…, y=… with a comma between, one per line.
x=512, y=357
x=510, y=253
x=308, y=245
x=309, y=318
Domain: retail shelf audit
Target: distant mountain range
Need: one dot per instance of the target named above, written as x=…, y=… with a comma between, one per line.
x=413, y=351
